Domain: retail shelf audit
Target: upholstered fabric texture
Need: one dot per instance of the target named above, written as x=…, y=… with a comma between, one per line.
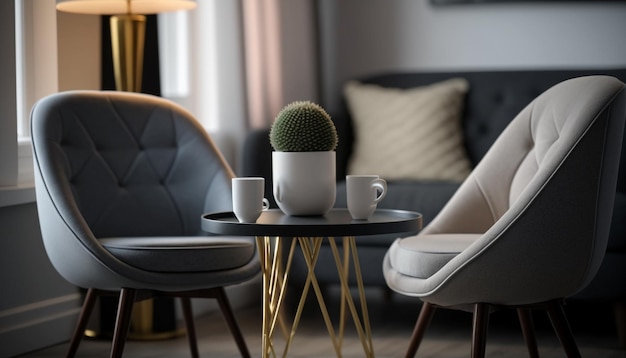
x=124, y=161
x=538, y=205
x=122, y=180
x=408, y=133
x=182, y=254
x=421, y=256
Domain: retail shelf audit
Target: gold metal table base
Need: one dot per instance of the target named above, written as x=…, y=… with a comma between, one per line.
x=276, y=274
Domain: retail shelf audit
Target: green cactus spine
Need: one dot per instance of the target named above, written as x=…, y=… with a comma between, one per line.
x=303, y=126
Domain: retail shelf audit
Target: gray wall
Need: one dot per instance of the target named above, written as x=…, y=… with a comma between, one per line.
x=8, y=104
x=360, y=37
x=37, y=307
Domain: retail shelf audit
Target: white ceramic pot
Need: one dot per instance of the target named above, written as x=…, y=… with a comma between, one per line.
x=304, y=183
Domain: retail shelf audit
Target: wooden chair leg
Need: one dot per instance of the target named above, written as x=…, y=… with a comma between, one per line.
x=189, y=324
x=423, y=321
x=122, y=322
x=232, y=322
x=526, y=322
x=479, y=335
x=562, y=328
x=83, y=319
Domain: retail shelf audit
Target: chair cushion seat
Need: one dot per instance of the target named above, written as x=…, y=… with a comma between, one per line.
x=422, y=255
x=182, y=254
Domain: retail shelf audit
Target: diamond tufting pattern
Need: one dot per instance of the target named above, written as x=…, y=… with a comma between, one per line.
x=129, y=169
x=121, y=167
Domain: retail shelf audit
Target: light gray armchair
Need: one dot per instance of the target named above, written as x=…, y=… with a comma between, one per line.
x=529, y=226
x=122, y=180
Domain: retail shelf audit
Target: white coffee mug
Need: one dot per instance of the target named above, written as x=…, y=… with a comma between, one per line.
x=364, y=192
x=248, y=198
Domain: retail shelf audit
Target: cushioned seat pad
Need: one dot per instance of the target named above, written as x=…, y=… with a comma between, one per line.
x=422, y=255
x=182, y=254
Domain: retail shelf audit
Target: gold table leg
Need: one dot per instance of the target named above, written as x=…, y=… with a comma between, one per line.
x=363, y=329
x=275, y=277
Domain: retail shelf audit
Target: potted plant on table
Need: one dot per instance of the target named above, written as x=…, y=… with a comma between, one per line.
x=304, y=139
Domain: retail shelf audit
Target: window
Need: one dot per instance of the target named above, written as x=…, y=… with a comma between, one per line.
x=28, y=67
x=36, y=56
x=215, y=94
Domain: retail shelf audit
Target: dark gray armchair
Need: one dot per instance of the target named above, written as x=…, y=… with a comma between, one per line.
x=122, y=180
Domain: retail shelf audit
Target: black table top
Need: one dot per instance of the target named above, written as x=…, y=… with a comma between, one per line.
x=337, y=222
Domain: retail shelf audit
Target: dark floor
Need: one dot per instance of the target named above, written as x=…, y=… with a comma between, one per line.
x=392, y=322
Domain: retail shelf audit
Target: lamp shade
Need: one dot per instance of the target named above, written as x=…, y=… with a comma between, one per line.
x=115, y=7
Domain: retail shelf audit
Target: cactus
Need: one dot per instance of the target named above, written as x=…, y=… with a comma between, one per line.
x=303, y=126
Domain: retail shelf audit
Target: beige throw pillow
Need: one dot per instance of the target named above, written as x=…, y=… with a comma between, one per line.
x=408, y=133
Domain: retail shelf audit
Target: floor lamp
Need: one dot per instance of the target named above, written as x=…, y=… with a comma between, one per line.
x=128, y=26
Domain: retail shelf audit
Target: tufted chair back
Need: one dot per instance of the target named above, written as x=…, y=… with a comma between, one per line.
x=145, y=173
x=535, y=212
x=117, y=166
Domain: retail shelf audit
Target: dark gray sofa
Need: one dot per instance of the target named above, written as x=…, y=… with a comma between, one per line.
x=493, y=100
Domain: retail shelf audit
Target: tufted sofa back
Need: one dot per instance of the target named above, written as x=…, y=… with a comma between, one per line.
x=493, y=100
x=137, y=164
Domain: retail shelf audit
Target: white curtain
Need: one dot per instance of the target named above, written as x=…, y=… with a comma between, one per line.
x=281, y=58
x=244, y=61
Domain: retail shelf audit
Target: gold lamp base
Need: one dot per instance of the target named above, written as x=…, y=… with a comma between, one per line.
x=142, y=324
x=150, y=320
x=128, y=34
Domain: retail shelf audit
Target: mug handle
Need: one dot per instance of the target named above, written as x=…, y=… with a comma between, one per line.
x=381, y=187
x=266, y=204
